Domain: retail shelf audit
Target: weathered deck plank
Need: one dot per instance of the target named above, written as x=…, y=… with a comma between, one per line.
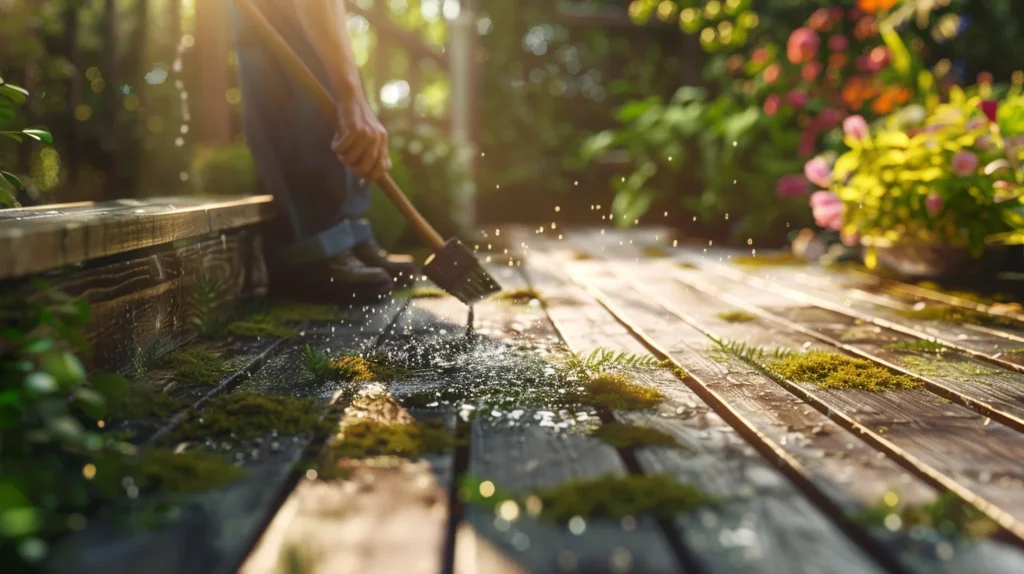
x=783, y=532
x=944, y=443
x=218, y=529
x=528, y=457
x=35, y=241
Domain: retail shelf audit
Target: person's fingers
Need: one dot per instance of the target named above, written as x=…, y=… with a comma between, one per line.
x=369, y=162
x=356, y=155
x=344, y=143
x=383, y=165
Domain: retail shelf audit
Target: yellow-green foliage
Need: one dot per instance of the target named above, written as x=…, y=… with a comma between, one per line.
x=618, y=392
x=836, y=371
x=374, y=368
x=421, y=292
x=262, y=325
x=195, y=366
x=947, y=514
x=163, y=470
x=365, y=439
x=621, y=496
x=917, y=346
x=248, y=415
x=655, y=252
x=228, y=170
x=622, y=435
x=518, y=296
x=135, y=402
x=736, y=316
x=300, y=312
x=768, y=260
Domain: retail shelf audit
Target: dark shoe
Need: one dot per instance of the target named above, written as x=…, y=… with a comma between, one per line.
x=404, y=273
x=341, y=280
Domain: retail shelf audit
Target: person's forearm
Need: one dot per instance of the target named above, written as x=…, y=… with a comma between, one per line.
x=326, y=24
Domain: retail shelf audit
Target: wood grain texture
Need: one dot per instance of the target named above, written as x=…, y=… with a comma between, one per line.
x=528, y=457
x=960, y=446
x=150, y=302
x=849, y=471
x=766, y=525
x=34, y=241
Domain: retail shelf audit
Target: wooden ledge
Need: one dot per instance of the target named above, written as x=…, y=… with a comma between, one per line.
x=40, y=239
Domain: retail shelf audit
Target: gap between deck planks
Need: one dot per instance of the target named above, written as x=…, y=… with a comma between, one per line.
x=702, y=306
x=765, y=525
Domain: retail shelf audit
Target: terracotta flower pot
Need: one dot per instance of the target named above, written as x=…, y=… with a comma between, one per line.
x=933, y=261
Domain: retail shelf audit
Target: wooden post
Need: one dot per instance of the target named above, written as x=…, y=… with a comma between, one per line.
x=462, y=52
x=212, y=47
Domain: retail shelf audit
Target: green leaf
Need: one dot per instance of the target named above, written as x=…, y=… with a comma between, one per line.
x=18, y=522
x=109, y=384
x=16, y=136
x=14, y=93
x=39, y=135
x=597, y=144
x=631, y=111
x=6, y=111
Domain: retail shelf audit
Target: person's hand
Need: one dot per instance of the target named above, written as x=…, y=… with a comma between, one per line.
x=362, y=144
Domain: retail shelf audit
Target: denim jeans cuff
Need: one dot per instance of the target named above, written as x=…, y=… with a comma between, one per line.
x=361, y=230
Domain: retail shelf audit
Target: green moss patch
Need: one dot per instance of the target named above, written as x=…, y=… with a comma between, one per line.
x=422, y=292
x=655, y=252
x=967, y=295
x=370, y=438
x=618, y=392
x=136, y=403
x=958, y=315
x=248, y=415
x=301, y=312
x=947, y=514
x=360, y=369
x=521, y=296
x=835, y=371
x=736, y=316
x=622, y=435
x=768, y=260
x=195, y=366
x=162, y=470
x=917, y=346
x=686, y=265
x=258, y=326
x=613, y=497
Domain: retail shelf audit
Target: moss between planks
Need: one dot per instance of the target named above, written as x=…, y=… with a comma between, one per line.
x=612, y=497
x=522, y=296
x=262, y=325
x=621, y=435
x=247, y=415
x=959, y=315
x=836, y=371
x=364, y=369
x=948, y=515
x=195, y=366
x=736, y=316
x=917, y=346
x=768, y=260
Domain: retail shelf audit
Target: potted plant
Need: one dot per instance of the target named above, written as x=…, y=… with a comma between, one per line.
x=929, y=192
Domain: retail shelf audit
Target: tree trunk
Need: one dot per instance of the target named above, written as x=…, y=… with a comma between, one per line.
x=212, y=47
x=133, y=135
x=111, y=98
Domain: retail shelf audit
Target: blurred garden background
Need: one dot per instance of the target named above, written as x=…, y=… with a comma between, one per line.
x=741, y=121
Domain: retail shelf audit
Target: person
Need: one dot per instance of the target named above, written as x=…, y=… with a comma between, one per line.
x=323, y=250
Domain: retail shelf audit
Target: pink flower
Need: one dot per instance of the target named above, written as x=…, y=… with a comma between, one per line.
x=792, y=185
x=989, y=107
x=838, y=43
x=760, y=56
x=878, y=59
x=797, y=98
x=856, y=127
x=818, y=172
x=807, y=139
x=830, y=117
x=1002, y=185
x=771, y=104
x=965, y=163
x=810, y=71
x=820, y=19
x=827, y=209
x=771, y=73
x=933, y=205
x=802, y=45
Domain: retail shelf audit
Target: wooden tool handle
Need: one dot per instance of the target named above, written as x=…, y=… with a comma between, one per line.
x=323, y=99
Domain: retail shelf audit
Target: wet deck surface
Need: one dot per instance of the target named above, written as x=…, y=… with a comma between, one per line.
x=798, y=473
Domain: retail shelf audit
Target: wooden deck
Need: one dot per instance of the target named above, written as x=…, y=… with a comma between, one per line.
x=794, y=467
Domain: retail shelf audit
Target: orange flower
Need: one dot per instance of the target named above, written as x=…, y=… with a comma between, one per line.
x=874, y=6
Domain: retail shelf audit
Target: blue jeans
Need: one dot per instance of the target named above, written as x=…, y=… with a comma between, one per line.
x=320, y=200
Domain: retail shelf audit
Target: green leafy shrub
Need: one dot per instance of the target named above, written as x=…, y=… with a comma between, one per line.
x=228, y=170
x=12, y=96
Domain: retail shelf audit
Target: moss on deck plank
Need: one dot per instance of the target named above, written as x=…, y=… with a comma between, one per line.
x=836, y=371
